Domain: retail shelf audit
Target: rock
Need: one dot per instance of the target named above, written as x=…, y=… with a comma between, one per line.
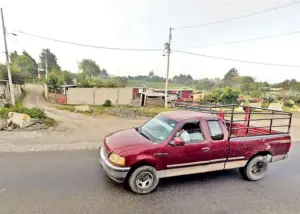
x=29, y=123
x=3, y=102
x=18, y=118
x=10, y=129
x=84, y=108
x=3, y=124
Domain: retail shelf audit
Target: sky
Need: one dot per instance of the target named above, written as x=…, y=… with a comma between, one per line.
x=145, y=24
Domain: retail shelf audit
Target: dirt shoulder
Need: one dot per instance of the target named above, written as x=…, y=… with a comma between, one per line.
x=75, y=131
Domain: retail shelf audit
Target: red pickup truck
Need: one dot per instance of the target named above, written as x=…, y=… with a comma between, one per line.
x=186, y=142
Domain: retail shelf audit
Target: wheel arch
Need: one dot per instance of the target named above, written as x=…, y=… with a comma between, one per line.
x=260, y=153
x=137, y=165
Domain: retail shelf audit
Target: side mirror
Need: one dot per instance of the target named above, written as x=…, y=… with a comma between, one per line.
x=178, y=141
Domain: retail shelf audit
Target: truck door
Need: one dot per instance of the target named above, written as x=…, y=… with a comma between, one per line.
x=220, y=145
x=193, y=157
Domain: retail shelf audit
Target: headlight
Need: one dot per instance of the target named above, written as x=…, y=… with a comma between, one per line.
x=116, y=159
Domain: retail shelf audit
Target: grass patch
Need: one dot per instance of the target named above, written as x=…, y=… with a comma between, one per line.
x=98, y=110
x=65, y=108
x=291, y=109
x=49, y=122
x=4, y=112
x=19, y=101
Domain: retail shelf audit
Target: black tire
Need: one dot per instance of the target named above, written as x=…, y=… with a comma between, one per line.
x=256, y=168
x=143, y=180
x=242, y=172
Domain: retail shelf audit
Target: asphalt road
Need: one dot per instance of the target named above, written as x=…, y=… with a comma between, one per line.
x=73, y=182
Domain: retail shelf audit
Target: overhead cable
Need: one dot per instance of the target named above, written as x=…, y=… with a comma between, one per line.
x=243, y=40
x=237, y=60
x=86, y=45
x=237, y=17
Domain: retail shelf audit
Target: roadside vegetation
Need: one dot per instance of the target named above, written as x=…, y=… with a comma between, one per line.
x=231, y=88
x=35, y=113
x=120, y=111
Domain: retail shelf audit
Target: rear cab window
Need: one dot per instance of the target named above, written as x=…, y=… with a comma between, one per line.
x=215, y=130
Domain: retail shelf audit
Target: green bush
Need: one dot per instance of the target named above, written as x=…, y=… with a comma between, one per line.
x=255, y=94
x=265, y=105
x=4, y=112
x=32, y=112
x=289, y=103
x=85, y=84
x=107, y=103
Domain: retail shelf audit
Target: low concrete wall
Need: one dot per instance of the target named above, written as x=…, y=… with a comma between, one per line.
x=102, y=94
x=17, y=90
x=97, y=96
x=79, y=96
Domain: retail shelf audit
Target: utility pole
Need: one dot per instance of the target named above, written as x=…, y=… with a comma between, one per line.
x=168, y=48
x=11, y=89
x=46, y=65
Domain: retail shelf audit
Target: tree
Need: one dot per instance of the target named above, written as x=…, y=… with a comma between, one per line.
x=183, y=79
x=246, y=84
x=90, y=68
x=103, y=73
x=151, y=74
x=53, y=80
x=51, y=59
x=16, y=75
x=229, y=95
x=13, y=55
x=68, y=77
x=231, y=78
x=24, y=63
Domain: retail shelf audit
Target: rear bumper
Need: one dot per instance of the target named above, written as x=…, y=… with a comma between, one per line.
x=279, y=157
x=117, y=174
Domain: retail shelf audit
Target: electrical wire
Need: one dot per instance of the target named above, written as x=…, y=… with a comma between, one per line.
x=238, y=17
x=85, y=45
x=237, y=60
x=238, y=41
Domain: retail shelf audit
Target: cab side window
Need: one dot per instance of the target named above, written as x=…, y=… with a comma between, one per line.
x=215, y=130
x=191, y=133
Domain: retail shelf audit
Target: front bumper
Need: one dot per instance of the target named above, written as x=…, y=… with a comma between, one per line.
x=116, y=173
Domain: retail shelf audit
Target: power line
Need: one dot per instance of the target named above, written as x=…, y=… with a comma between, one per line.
x=85, y=45
x=238, y=17
x=244, y=40
x=238, y=60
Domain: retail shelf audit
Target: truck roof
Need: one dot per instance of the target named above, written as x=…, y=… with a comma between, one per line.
x=186, y=115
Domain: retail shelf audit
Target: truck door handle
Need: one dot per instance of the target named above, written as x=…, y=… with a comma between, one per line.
x=205, y=149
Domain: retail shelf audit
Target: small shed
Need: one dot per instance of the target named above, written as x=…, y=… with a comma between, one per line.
x=197, y=96
x=152, y=99
x=185, y=94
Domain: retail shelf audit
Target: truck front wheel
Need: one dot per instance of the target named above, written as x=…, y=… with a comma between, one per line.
x=143, y=180
x=256, y=168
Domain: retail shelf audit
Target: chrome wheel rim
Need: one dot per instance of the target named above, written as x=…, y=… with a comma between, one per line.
x=144, y=180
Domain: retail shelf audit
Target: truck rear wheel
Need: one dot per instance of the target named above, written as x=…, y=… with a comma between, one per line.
x=143, y=180
x=256, y=168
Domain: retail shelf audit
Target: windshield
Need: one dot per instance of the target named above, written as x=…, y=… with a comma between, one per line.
x=158, y=128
